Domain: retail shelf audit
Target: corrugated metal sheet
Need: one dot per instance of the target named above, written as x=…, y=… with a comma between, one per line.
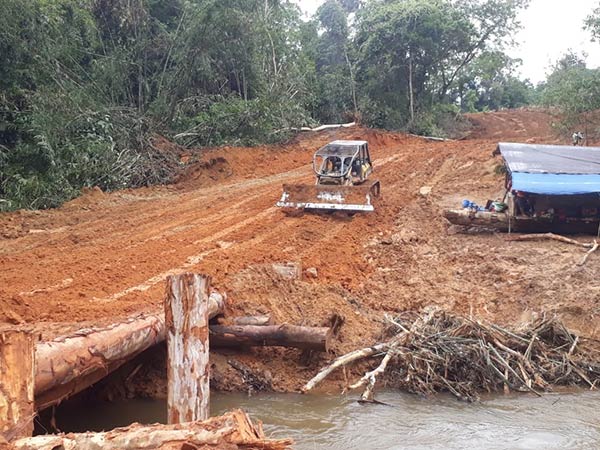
x=537, y=158
x=552, y=169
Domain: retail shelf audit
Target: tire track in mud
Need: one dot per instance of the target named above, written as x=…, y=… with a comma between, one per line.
x=117, y=241
x=139, y=229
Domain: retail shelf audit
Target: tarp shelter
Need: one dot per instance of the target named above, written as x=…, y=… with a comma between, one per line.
x=552, y=169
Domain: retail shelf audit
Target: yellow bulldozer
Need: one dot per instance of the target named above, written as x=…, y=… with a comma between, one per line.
x=342, y=170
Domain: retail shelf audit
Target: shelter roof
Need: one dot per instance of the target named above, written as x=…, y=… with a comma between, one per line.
x=538, y=158
x=552, y=169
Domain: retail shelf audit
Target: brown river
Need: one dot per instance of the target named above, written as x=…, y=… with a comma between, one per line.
x=554, y=421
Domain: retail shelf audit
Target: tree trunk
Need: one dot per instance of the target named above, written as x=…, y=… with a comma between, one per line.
x=352, y=86
x=470, y=218
x=70, y=364
x=67, y=365
x=306, y=338
x=231, y=431
x=186, y=321
x=16, y=384
x=410, y=87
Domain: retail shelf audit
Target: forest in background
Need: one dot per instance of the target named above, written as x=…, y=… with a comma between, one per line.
x=85, y=85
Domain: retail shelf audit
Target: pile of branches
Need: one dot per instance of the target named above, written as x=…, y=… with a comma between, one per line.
x=440, y=352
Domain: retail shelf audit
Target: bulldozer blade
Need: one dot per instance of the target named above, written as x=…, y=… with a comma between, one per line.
x=329, y=197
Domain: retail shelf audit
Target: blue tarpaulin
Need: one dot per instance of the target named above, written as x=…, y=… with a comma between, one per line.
x=555, y=184
x=552, y=169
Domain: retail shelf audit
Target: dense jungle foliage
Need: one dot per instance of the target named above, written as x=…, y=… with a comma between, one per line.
x=86, y=84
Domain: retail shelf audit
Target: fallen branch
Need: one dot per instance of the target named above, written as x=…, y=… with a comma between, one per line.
x=370, y=378
x=548, y=236
x=587, y=255
x=343, y=361
x=437, y=352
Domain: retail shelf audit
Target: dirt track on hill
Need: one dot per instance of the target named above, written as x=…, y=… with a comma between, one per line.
x=104, y=256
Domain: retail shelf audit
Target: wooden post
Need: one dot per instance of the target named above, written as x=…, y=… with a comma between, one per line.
x=186, y=322
x=16, y=384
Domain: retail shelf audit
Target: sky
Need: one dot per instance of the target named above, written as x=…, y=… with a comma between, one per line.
x=550, y=28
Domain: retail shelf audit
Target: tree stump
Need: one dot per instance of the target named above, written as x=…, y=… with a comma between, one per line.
x=186, y=321
x=16, y=384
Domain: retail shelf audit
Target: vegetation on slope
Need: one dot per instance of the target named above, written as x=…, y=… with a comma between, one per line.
x=86, y=84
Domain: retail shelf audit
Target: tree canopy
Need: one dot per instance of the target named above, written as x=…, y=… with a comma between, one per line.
x=85, y=85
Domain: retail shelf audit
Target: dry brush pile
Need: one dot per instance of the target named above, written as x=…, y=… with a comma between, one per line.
x=440, y=352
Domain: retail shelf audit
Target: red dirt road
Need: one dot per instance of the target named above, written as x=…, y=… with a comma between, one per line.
x=105, y=256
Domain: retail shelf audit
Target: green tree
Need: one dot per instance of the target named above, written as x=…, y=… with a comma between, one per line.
x=85, y=85
x=592, y=23
x=490, y=83
x=575, y=90
x=336, y=96
x=412, y=52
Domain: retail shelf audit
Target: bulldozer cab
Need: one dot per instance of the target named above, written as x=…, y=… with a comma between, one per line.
x=342, y=162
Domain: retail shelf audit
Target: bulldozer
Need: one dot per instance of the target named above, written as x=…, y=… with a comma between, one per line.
x=342, y=170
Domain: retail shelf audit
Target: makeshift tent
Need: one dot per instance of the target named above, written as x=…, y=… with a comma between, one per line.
x=552, y=169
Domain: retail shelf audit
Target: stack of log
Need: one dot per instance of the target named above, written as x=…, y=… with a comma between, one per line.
x=440, y=352
x=65, y=366
x=69, y=364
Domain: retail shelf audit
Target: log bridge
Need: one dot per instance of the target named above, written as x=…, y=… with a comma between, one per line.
x=34, y=376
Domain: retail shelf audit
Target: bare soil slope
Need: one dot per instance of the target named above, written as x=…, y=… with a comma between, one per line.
x=104, y=256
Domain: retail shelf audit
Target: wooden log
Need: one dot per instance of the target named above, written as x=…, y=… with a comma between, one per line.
x=306, y=338
x=260, y=321
x=16, y=384
x=69, y=364
x=468, y=218
x=231, y=431
x=186, y=320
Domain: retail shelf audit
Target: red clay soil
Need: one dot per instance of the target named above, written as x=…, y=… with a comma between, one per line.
x=104, y=256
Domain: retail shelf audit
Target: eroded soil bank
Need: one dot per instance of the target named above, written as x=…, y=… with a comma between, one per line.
x=104, y=256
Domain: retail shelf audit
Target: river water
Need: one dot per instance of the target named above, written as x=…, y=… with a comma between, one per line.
x=554, y=421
